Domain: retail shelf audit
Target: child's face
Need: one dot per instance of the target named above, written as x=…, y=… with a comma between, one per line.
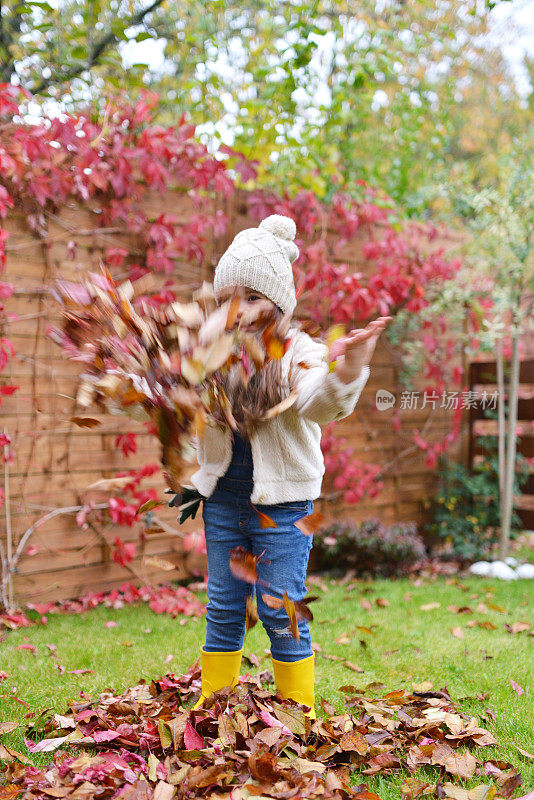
x=251, y=296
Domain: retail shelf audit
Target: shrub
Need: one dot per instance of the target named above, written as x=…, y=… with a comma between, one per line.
x=466, y=508
x=369, y=548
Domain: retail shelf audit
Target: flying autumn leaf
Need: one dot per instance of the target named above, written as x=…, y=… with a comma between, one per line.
x=251, y=613
x=264, y=519
x=301, y=606
x=110, y=484
x=243, y=565
x=291, y=612
x=148, y=505
x=159, y=563
x=309, y=524
x=286, y=403
x=233, y=309
x=157, y=359
x=85, y=422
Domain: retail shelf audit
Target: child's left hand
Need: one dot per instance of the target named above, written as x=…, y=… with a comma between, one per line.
x=355, y=350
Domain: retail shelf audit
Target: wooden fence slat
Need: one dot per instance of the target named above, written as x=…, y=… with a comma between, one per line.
x=77, y=581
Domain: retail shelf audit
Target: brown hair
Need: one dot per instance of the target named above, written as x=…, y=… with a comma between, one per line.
x=251, y=399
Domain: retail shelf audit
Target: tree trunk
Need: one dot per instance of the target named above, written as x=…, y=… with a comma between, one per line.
x=501, y=418
x=510, y=450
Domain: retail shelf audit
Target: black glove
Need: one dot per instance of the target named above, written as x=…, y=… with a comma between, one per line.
x=188, y=501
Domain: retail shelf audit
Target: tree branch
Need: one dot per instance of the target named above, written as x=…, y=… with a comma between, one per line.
x=99, y=47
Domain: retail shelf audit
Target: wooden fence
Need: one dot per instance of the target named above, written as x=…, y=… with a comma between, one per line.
x=54, y=461
x=483, y=378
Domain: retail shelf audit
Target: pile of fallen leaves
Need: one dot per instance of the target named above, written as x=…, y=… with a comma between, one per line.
x=249, y=742
x=157, y=359
x=162, y=599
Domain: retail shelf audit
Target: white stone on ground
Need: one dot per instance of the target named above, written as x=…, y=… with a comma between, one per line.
x=480, y=568
x=501, y=570
x=525, y=571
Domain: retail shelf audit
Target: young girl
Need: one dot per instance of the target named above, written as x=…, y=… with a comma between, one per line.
x=275, y=466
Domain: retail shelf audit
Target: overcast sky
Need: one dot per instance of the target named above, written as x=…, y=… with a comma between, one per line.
x=513, y=26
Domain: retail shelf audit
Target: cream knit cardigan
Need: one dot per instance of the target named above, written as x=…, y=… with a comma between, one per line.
x=288, y=462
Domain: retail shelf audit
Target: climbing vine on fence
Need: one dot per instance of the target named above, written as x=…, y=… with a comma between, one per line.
x=109, y=163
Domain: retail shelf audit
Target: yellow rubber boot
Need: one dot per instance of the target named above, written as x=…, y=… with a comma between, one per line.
x=296, y=680
x=218, y=669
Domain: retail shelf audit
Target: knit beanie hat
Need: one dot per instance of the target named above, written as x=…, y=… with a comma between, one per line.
x=260, y=258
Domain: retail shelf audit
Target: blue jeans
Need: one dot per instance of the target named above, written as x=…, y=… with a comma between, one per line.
x=229, y=521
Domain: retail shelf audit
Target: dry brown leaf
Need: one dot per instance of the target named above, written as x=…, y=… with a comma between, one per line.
x=289, y=606
x=271, y=601
x=249, y=732
x=352, y=666
x=524, y=752
x=251, y=613
x=109, y=484
x=219, y=353
x=462, y=765
x=159, y=563
x=233, y=308
x=286, y=403
x=309, y=524
x=7, y=727
x=517, y=627
x=243, y=565
x=148, y=505
x=85, y=422
x=265, y=520
x=480, y=792
x=9, y=792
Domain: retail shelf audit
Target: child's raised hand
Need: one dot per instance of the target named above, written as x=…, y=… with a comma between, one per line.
x=355, y=350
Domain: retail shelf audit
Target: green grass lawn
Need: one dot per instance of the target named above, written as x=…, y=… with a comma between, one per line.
x=407, y=646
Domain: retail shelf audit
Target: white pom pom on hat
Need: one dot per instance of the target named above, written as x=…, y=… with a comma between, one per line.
x=279, y=225
x=261, y=258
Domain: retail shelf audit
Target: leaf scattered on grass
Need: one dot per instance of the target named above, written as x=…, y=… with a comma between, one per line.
x=525, y=752
x=162, y=599
x=247, y=742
